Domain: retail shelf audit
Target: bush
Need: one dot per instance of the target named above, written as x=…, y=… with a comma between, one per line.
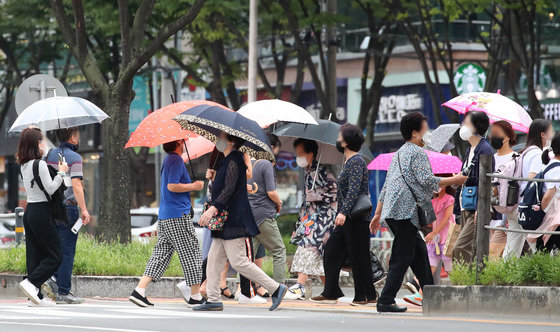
x=540, y=269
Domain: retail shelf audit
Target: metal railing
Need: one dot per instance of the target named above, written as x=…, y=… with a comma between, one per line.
x=18, y=214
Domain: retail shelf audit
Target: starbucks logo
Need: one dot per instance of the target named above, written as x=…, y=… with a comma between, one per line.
x=469, y=77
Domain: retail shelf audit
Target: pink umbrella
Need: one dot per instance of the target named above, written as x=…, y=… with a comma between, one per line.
x=441, y=163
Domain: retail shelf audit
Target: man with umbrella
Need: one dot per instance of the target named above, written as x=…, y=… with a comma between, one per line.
x=59, y=286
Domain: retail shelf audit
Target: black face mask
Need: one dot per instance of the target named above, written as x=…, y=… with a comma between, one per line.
x=497, y=142
x=339, y=147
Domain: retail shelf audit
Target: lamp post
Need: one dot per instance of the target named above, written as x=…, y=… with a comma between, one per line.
x=252, y=75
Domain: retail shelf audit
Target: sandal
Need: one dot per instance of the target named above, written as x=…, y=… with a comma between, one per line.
x=223, y=291
x=265, y=294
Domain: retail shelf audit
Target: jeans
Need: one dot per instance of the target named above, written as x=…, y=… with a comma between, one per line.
x=271, y=239
x=68, y=242
x=408, y=250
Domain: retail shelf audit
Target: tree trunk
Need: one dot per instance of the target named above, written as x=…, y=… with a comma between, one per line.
x=114, y=217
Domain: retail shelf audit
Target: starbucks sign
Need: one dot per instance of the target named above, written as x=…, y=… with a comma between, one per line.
x=469, y=77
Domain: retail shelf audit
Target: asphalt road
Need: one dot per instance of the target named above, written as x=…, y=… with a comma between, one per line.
x=172, y=315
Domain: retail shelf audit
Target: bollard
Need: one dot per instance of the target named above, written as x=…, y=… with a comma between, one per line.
x=484, y=212
x=19, y=225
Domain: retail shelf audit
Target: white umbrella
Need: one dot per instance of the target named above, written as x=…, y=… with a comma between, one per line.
x=267, y=112
x=59, y=112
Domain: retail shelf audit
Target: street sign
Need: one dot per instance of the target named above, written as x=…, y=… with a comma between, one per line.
x=469, y=77
x=38, y=87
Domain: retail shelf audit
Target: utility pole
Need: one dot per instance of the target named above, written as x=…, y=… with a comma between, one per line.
x=332, y=49
x=252, y=75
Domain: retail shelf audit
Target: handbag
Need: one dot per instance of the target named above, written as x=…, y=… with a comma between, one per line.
x=217, y=222
x=362, y=206
x=426, y=213
x=469, y=198
x=303, y=228
x=452, y=236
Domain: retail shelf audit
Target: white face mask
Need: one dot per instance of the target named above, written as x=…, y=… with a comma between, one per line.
x=465, y=133
x=427, y=138
x=221, y=144
x=302, y=162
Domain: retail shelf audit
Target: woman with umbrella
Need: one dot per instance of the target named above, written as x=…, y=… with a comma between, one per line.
x=229, y=192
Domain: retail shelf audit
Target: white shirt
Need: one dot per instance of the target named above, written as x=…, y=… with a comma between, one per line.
x=502, y=160
x=35, y=194
x=532, y=163
x=553, y=174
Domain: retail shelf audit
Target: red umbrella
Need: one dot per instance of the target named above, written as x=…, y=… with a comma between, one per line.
x=158, y=127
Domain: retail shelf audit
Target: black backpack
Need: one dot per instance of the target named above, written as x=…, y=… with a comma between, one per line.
x=56, y=200
x=532, y=196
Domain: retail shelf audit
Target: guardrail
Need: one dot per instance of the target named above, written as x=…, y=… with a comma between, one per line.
x=18, y=214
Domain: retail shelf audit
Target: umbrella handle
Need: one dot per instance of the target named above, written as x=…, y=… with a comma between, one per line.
x=190, y=164
x=317, y=170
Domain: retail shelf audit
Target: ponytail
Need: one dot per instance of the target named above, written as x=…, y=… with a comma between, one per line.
x=546, y=156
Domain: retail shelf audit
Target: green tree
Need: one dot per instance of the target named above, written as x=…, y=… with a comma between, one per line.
x=108, y=40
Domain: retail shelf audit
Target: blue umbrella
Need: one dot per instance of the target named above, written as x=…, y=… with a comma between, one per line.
x=209, y=121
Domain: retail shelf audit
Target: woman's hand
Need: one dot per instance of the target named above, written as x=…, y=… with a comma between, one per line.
x=375, y=224
x=340, y=220
x=210, y=174
x=430, y=237
x=62, y=167
x=207, y=216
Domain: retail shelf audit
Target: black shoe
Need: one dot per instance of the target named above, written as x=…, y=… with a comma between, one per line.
x=193, y=303
x=140, y=300
x=390, y=308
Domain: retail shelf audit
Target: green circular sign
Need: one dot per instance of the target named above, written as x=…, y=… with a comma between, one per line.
x=469, y=77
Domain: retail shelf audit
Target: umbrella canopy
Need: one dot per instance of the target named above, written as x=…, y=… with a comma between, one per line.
x=209, y=121
x=497, y=107
x=441, y=163
x=158, y=127
x=197, y=146
x=441, y=136
x=267, y=112
x=326, y=134
x=59, y=112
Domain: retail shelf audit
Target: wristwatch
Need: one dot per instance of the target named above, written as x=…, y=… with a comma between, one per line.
x=62, y=174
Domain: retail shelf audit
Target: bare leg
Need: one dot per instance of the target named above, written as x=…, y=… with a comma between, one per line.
x=302, y=278
x=259, y=262
x=203, y=287
x=223, y=280
x=144, y=282
x=195, y=289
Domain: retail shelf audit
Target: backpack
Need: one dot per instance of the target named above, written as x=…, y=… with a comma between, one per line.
x=508, y=190
x=527, y=217
x=56, y=200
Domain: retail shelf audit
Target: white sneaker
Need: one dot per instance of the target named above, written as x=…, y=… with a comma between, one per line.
x=43, y=303
x=185, y=290
x=296, y=292
x=30, y=290
x=257, y=299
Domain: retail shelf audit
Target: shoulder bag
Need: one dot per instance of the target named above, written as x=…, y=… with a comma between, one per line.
x=426, y=213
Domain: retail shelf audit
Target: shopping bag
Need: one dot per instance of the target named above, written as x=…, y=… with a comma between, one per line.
x=452, y=235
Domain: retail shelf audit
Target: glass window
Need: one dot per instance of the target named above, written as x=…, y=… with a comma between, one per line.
x=138, y=221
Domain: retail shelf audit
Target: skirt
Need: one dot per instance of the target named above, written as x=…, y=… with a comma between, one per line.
x=308, y=261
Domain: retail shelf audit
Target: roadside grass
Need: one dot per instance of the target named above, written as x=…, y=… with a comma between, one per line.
x=540, y=269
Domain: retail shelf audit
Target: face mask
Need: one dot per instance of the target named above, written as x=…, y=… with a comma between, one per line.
x=339, y=147
x=221, y=144
x=465, y=133
x=497, y=142
x=427, y=138
x=302, y=162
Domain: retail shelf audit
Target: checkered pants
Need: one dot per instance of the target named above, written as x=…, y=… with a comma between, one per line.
x=176, y=234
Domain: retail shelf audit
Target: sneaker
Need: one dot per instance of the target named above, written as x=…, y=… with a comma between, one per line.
x=296, y=292
x=368, y=303
x=323, y=300
x=68, y=299
x=257, y=299
x=412, y=286
x=415, y=299
x=43, y=303
x=210, y=306
x=30, y=291
x=140, y=300
x=184, y=290
x=50, y=288
x=278, y=296
x=191, y=303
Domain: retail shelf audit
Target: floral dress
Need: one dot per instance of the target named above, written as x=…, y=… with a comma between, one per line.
x=317, y=215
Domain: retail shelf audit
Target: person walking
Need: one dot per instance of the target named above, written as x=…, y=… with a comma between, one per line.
x=265, y=204
x=59, y=286
x=539, y=138
x=317, y=214
x=502, y=138
x=229, y=193
x=43, y=253
x=350, y=237
x=175, y=230
x=472, y=130
x=397, y=206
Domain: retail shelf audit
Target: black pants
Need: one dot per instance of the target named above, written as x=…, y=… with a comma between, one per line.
x=553, y=242
x=248, y=288
x=43, y=251
x=409, y=250
x=349, y=241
